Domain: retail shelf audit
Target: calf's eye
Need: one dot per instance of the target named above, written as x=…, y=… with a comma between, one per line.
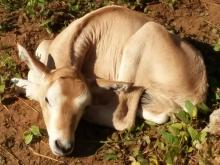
x=46, y=99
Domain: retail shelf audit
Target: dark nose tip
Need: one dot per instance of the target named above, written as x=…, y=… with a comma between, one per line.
x=65, y=149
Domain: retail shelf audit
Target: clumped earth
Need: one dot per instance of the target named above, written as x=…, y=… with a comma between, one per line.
x=181, y=141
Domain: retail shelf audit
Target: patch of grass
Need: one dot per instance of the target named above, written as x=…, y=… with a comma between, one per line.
x=35, y=6
x=30, y=7
x=8, y=69
x=34, y=133
x=80, y=8
x=135, y=4
x=54, y=18
x=171, y=143
x=11, y=5
x=47, y=24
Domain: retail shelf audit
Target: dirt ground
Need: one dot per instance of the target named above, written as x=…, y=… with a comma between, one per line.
x=196, y=20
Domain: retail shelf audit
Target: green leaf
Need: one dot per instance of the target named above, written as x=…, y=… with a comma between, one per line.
x=217, y=47
x=185, y=135
x=28, y=138
x=170, y=155
x=190, y=149
x=161, y=145
x=140, y=158
x=153, y=160
x=110, y=156
x=75, y=8
x=169, y=138
x=217, y=96
x=183, y=116
x=135, y=163
x=146, y=138
x=139, y=127
x=202, y=162
x=202, y=136
x=191, y=109
x=178, y=126
x=169, y=159
x=2, y=88
x=46, y=22
x=150, y=123
x=203, y=108
x=135, y=150
x=35, y=131
x=174, y=131
x=194, y=134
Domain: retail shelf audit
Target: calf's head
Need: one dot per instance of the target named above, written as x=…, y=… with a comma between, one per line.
x=63, y=96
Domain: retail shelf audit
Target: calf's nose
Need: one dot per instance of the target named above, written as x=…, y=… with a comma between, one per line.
x=66, y=148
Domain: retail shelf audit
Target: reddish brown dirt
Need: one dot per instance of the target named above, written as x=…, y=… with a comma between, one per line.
x=199, y=20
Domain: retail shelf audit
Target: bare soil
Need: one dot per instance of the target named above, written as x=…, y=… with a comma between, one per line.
x=196, y=20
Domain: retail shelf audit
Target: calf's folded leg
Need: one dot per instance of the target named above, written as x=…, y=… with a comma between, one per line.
x=121, y=110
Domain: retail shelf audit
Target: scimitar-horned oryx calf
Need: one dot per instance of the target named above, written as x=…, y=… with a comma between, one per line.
x=151, y=71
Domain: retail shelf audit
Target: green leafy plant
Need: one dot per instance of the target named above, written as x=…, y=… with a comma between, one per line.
x=2, y=86
x=217, y=46
x=149, y=143
x=180, y=136
x=32, y=134
x=80, y=8
x=33, y=6
x=8, y=69
x=47, y=25
x=11, y=5
x=110, y=156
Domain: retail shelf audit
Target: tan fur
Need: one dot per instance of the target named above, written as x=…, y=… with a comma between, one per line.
x=145, y=55
x=131, y=65
x=126, y=110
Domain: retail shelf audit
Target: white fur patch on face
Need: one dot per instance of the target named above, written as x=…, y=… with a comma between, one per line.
x=55, y=95
x=55, y=100
x=80, y=103
x=83, y=100
x=56, y=134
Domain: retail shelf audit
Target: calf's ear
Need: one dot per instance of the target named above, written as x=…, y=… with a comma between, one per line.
x=32, y=62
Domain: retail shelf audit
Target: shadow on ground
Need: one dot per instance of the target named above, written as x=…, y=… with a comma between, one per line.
x=89, y=138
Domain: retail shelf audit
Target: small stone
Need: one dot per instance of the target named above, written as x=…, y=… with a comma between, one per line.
x=214, y=31
x=214, y=123
x=202, y=14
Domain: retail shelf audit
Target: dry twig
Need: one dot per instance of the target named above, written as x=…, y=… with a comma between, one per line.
x=36, y=110
x=5, y=107
x=44, y=156
x=212, y=25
